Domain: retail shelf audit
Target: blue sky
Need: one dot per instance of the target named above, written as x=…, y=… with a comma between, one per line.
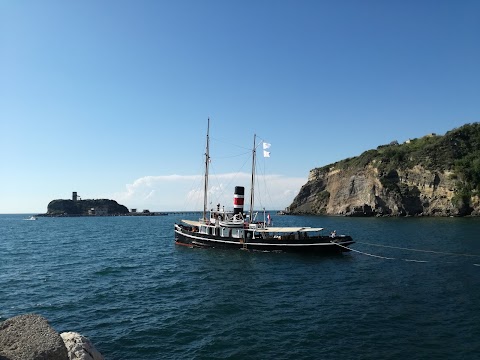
x=111, y=98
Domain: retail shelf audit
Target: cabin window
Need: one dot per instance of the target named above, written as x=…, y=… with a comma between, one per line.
x=237, y=233
x=225, y=232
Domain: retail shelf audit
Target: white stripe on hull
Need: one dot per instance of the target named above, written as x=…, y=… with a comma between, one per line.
x=237, y=242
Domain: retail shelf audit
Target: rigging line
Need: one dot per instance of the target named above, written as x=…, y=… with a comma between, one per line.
x=230, y=156
x=260, y=174
x=213, y=178
x=258, y=193
x=419, y=250
x=267, y=191
x=265, y=198
x=249, y=149
x=229, y=143
x=268, y=195
x=261, y=140
x=195, y=186
x=261, y=179
x=228, y=184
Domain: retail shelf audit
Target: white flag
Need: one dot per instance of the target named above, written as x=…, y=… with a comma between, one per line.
x=266, y=146
x=266, y=153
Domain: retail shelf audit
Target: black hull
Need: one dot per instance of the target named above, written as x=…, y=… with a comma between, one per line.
x=317, y=244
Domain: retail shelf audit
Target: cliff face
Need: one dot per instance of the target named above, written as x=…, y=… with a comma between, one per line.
x=361, y=192
x=376, y=184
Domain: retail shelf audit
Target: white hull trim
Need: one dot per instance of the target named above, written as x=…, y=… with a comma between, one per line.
x=258, y=243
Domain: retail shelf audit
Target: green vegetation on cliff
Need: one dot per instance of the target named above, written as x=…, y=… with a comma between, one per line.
x=82, y=207
x=457, y=151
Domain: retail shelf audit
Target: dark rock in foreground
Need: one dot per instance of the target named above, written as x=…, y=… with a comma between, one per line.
x=30, y=337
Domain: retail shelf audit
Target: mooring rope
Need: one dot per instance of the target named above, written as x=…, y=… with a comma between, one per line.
x=413, y=260
x=392, y=258
x=363, y=253
x=419, y=250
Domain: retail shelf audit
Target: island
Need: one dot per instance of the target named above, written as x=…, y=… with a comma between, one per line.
x=91, y=207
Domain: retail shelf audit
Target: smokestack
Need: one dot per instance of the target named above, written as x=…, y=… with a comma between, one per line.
x=238, y=200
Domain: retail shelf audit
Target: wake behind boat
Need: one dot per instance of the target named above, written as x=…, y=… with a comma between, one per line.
x=237, y=230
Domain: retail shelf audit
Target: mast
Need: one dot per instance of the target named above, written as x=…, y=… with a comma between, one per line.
x=252, y=191
x=207, y=161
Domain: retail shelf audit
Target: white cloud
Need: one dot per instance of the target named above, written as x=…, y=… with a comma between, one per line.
x=185, y=192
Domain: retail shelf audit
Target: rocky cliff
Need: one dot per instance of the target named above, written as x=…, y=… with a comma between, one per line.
x=432, y=176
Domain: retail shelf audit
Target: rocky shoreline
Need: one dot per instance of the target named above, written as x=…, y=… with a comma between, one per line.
x=30, y=337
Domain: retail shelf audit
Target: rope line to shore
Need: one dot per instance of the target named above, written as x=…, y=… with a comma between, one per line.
x=418, y=250
x=364, y=253
x=392, y=258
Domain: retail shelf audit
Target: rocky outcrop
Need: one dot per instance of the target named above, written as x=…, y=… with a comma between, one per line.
x=79, y=347
x=30, y=337
x=85, y=207
x=431, y=176
x=365, y=192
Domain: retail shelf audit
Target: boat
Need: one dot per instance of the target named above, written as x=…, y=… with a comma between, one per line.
x=31, y=218
x=234, y=229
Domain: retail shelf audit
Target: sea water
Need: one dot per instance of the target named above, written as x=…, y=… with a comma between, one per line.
x=123, y=283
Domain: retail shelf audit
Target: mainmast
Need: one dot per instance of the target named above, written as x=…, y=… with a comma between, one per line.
x=207, y=161
x=252, y=191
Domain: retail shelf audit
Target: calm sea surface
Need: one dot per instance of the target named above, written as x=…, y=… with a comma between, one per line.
x=123, y=283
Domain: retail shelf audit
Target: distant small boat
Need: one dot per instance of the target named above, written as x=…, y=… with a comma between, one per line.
x=31, y=218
